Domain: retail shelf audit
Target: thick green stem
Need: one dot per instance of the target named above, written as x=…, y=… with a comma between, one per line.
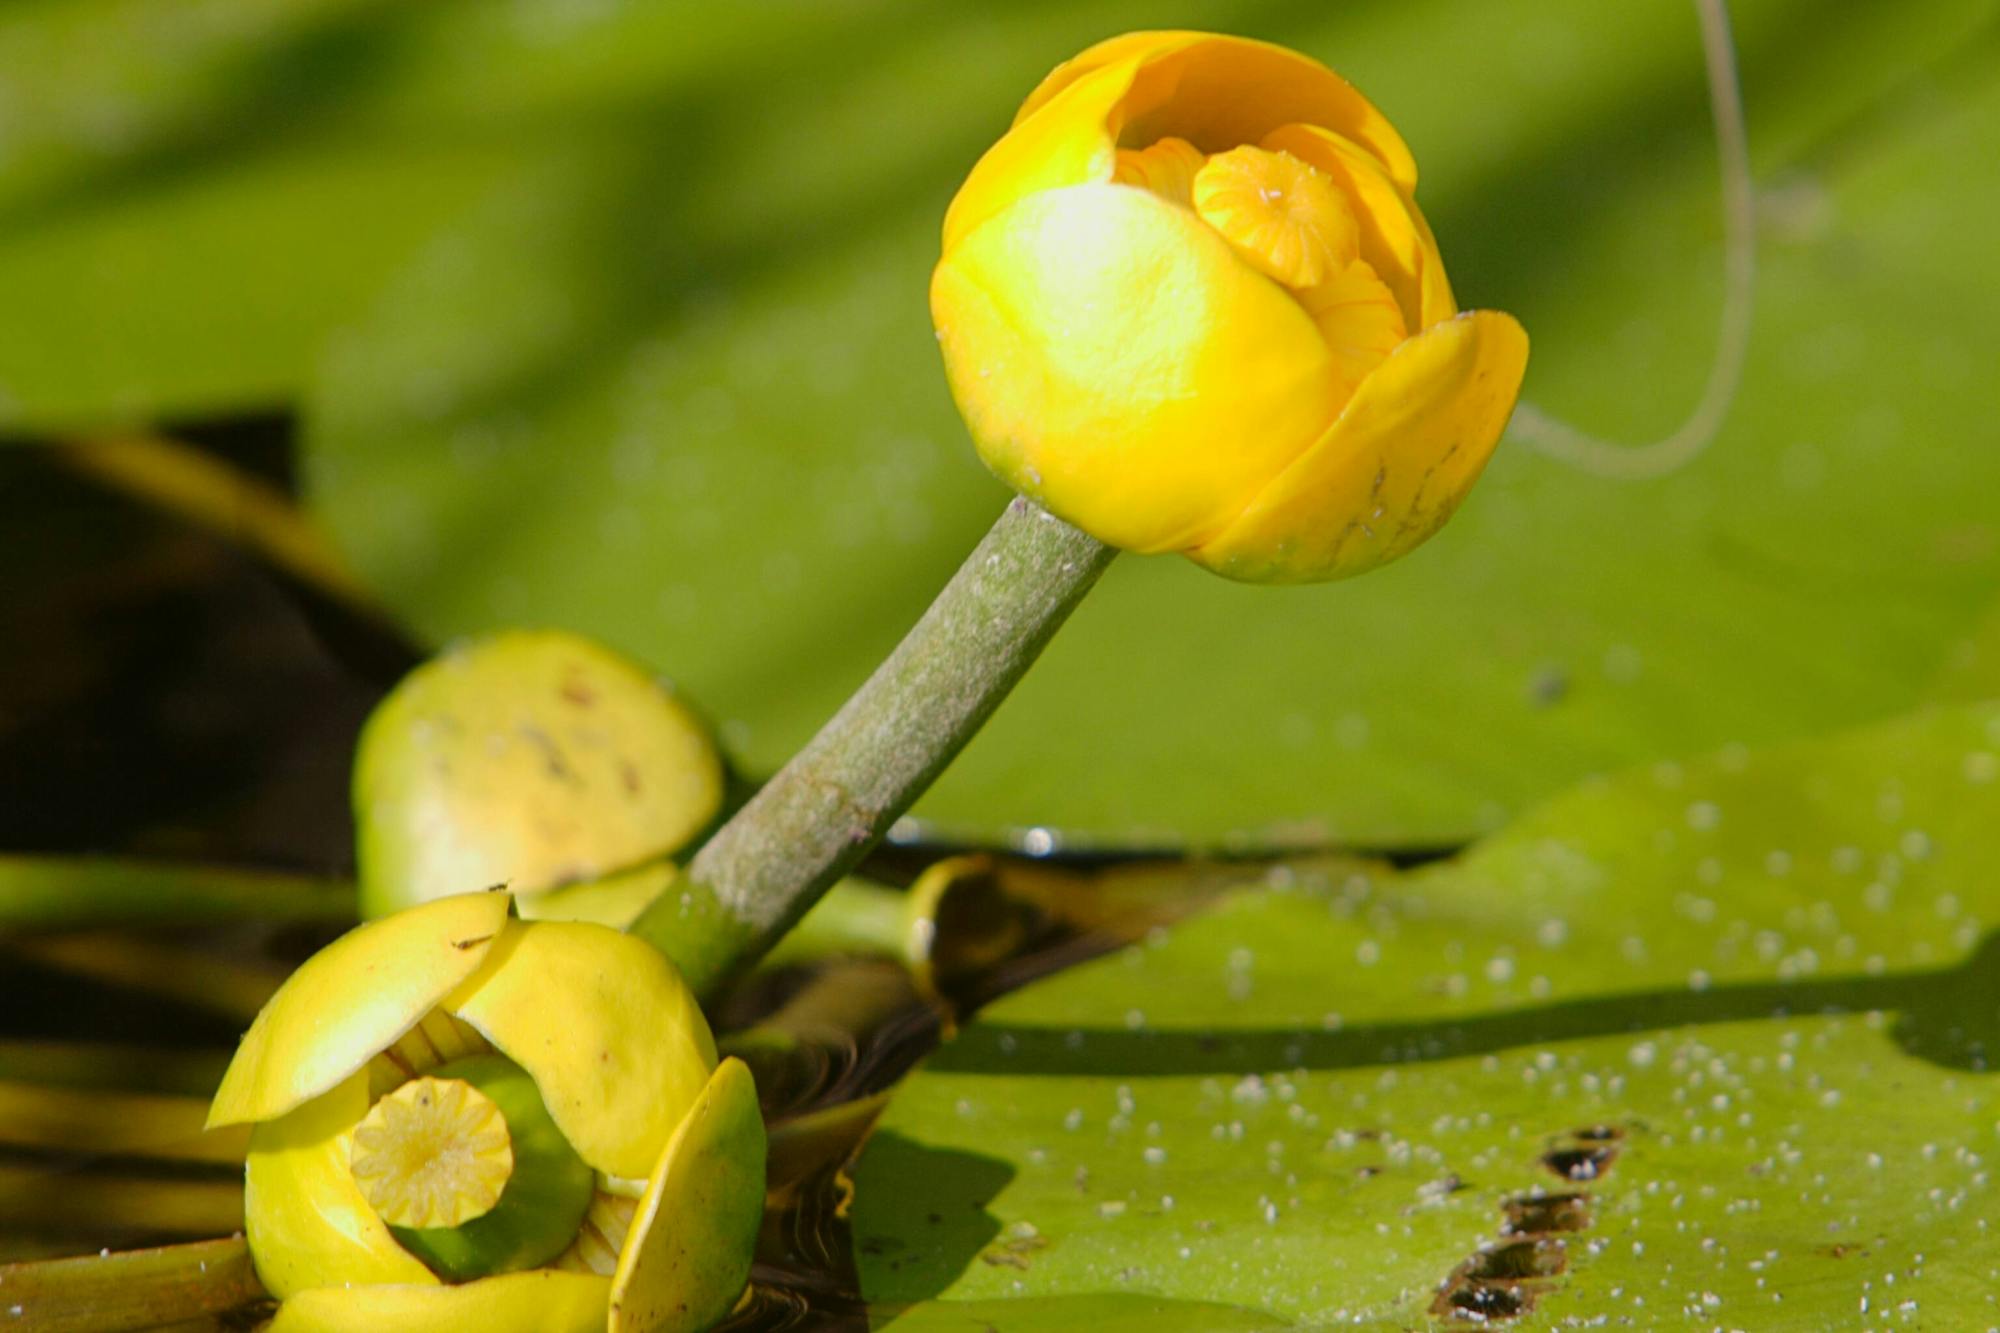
x=819, y=816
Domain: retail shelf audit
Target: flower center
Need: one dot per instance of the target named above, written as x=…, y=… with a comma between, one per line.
x=1284, y=217
x=469, y=1170
x=433, y=1153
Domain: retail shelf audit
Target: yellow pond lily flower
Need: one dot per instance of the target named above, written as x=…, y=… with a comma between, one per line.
x=463, y=1121
x=1188, y=303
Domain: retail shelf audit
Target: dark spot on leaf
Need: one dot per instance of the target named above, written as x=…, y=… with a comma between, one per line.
x=628, y=773
x=577, y=691
x=1586, y=1162
x=1528, y=1257
x=472, y=942
x=1534, y=1215
x=1548, y=686
x=1013, y=1252
x=1502, y=1281
x=1585, y=1154
x=1482, y=1303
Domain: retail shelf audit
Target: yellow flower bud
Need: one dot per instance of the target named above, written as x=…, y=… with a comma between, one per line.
x=1188, y=303
x=474, y=1084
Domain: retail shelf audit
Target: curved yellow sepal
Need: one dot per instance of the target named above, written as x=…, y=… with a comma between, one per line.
x=688, y=1254
x=544, y=1300
x=531, y=758
x=352, y=999
x=615, y=901
x=1402, y=455
x=1219, y=91
x=1116, y=361
x=306, y=1219
x=604, y=1025
x=1074, y=142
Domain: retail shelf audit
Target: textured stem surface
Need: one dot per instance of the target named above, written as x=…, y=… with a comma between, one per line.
x=812, y=822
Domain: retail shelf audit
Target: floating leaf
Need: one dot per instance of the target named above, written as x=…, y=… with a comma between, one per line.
x=1705, y=1042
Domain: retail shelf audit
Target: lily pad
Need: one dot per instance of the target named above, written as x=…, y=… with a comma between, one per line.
x=1706, y=1043
x=674, y=386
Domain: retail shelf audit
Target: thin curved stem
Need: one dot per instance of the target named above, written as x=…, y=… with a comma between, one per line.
x=1658, y=458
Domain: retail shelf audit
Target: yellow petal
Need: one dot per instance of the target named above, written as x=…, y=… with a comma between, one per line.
x=605, y=1027
x=614, y=901
x=1115, y=360
x=530, y=758
x=1167, y=168
x=542, y=1300
x=306, y=1220
x=1396, y=242
x=1393, y=467
x=1071, y=141
x=1359, y=319
x=352, y=999
x=1221, y=91
x=688, y=1253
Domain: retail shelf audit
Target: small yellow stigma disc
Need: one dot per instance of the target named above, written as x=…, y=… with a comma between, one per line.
x=433, y=1153
x=1283, y=217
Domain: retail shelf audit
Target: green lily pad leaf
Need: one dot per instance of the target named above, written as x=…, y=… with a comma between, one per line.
x=676, y=387
x=535, y=759
x=1102, y=1313
x=1706, y=1042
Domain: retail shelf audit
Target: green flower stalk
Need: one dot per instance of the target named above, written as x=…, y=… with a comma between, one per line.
x=1187, y=303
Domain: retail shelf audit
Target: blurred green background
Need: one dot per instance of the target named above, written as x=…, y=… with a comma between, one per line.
x=612, y=315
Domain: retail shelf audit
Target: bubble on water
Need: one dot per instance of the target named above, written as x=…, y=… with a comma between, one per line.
x=1250, y=1091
